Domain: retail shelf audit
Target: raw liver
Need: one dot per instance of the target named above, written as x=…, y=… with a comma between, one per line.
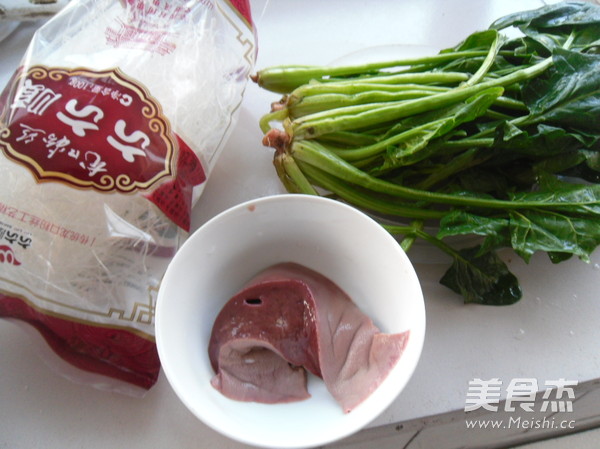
x=288, y=319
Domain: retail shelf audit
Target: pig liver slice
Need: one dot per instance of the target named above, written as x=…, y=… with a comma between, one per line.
x=289, y=319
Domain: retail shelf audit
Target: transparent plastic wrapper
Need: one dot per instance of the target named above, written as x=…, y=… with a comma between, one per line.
x=108, y=133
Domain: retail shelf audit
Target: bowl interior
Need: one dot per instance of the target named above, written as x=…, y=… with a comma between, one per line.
x=215, y=262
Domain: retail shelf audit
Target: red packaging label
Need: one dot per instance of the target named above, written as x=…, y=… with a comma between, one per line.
x=243, y=7
x=96, y=130
x=7, y=255
x=149, y=24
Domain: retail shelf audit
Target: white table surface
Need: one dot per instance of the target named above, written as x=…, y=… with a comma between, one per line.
x=551, y=333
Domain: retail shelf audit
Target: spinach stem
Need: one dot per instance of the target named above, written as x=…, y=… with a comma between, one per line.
x=265, y=120
x=367, y=200
x=284, y=79
x=312, y=153
x=296, y=175
x=416, y=232
x=487, y=62
x=355, y=154
x=363, y=116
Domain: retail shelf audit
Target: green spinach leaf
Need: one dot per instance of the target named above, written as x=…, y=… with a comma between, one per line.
x=555, y=233
x=496, y=230
x=482, y=279
x=570, y=93
x=551, y=17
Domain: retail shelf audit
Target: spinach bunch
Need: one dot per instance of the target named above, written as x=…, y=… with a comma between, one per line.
x=497, y=137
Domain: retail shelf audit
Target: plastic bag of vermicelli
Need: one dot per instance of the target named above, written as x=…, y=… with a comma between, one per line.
x=108, y=132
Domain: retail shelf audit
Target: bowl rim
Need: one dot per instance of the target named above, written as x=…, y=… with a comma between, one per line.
x=416, y=340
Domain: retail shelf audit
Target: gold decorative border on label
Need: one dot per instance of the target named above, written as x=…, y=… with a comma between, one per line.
x=249, y=54
x=141, y=313
x=241, y=36
x=240, y=15
x=152, y=111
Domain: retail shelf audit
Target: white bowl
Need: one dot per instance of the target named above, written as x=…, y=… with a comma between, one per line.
x=327, y=236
